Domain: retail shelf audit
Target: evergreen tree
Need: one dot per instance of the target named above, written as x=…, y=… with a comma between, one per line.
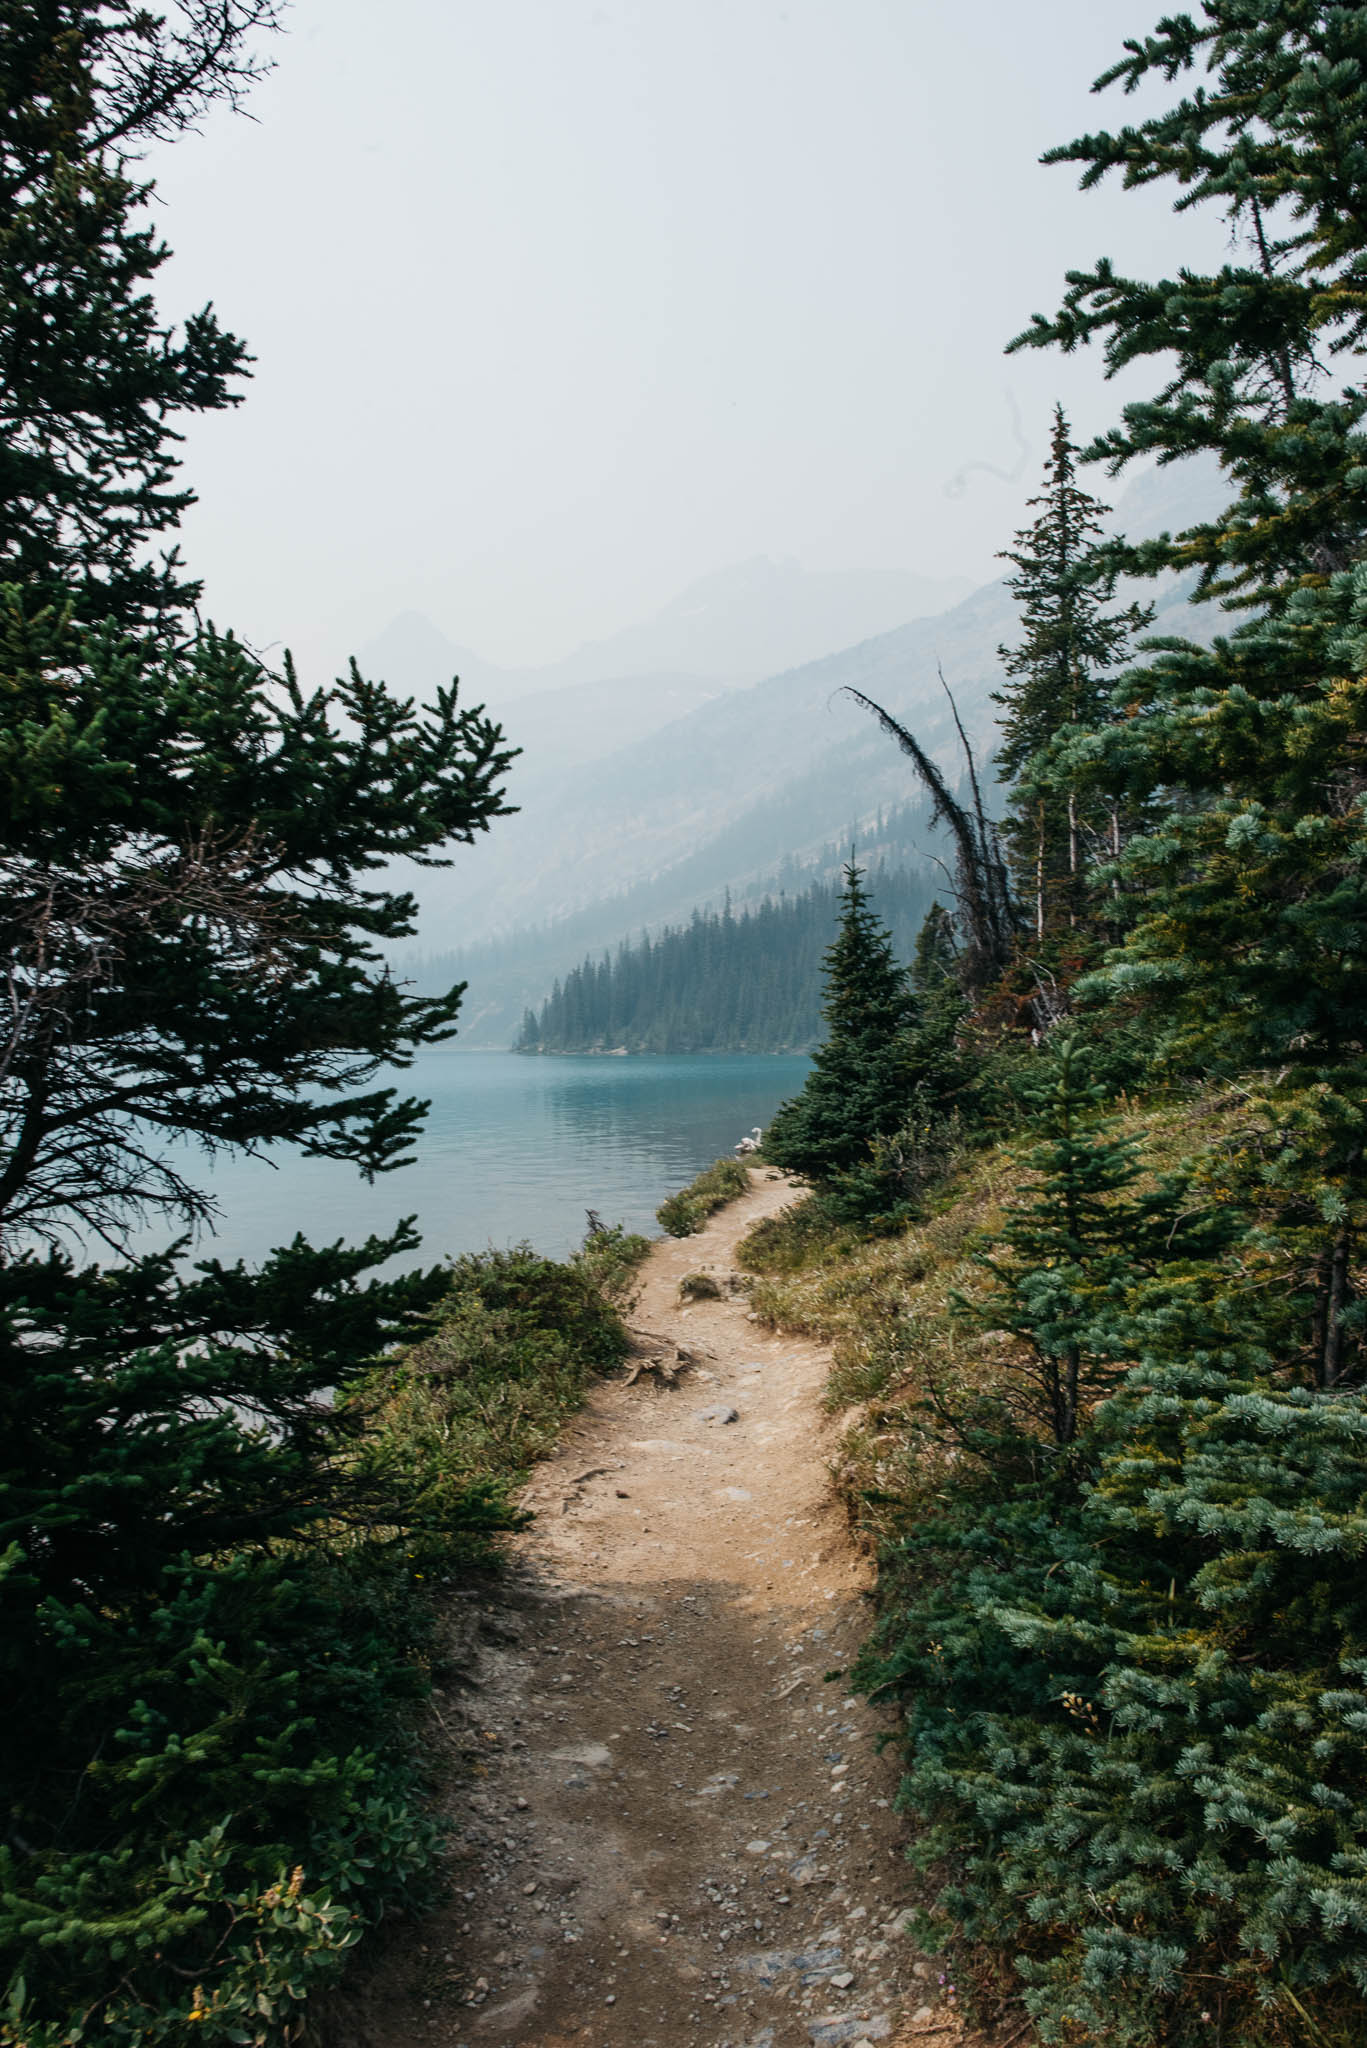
x=1073, y=641
x=721, y=983
x=1135, y=1691
x=1247, y=901
x=91, y=380
x=207, y=1650
x=1073, y=1246
x=860, y=1083
x=1137, y=1685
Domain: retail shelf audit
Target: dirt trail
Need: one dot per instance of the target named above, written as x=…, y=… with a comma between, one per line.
x=678, y=1832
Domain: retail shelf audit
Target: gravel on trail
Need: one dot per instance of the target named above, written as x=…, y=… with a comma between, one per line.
x=673, y=1825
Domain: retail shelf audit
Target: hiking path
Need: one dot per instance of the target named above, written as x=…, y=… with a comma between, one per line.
x=673, y=1823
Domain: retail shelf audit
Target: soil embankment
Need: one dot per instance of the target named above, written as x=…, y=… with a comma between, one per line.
x=674, y=1825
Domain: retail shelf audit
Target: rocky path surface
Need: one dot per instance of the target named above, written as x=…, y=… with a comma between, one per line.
x=674, y=1827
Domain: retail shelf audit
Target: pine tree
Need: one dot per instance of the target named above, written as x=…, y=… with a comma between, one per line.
x=208, y=1651
x=1073, y=1245
x=860, y=1084
x=91, y=380
x=1247, y=900
x=1073, y=642
x=1136, y=1686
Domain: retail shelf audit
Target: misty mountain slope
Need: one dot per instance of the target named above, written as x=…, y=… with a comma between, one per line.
x=505, y=977
x=736, y=783
x=751, y=620
x=734, y=626
x=739, y=789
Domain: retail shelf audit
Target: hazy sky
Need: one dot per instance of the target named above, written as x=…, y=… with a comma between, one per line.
x=558, y=305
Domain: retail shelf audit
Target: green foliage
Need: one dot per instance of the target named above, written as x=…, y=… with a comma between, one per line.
x=211, y=1649
x=609, y=1259
x=1073, y=641
x=684, y=1214
x=184, y=901
x=92, y=380
x=878, y=1119
x=1073, y=1245
x=1135, y=1696
x=454, y=1424
x=699, y=1287
x=722, y=983
x=860, y=1081
x=787, y=1241
x=1128, y=1629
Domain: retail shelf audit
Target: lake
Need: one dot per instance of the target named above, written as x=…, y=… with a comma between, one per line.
x=514, y=1148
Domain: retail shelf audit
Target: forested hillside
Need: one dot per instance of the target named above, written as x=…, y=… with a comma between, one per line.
x=506, y=977
x=721, y=983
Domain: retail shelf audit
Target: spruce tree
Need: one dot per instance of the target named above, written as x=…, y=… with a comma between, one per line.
x=208, y=1650
x=1247, y=900
x=859, y=1086
x=92, y=380
x=1137, y=1685
x=1073, y=642
x=1073, y=1244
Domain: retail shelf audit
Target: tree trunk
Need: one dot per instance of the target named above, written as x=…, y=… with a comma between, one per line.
x=1039, y=875
x=1072, y=858
x=1338, y=1292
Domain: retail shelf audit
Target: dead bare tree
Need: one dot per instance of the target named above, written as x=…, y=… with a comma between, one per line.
x=986, y=915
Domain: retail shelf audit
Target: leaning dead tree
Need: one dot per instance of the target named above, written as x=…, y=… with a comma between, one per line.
x=986, y=918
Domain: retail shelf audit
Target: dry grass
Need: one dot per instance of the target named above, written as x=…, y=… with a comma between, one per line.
x=887, y=1306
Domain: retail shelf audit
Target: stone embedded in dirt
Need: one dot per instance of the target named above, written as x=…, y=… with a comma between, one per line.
x=757, y=1848
x=719, y=1412
x=808, y=1965
x=832, y=2029
x=843, y=1980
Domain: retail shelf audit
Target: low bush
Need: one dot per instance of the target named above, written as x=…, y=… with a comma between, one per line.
x=684, y=1214
x=610, y=1259
x=786, y=1242
x=460, y=1418
x=699, y=1287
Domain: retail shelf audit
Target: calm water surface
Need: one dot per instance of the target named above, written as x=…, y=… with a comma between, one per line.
x=516, y=1148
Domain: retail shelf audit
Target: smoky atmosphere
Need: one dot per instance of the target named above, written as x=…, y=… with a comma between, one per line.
x=683, y=874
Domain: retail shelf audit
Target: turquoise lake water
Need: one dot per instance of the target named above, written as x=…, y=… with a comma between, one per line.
x=515, y=1148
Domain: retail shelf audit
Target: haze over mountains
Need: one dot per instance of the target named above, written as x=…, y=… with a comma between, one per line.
x=732, y=627
x=653, y=786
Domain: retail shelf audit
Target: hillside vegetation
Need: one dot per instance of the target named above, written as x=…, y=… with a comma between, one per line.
x=1090, y=1183
x=721, y=983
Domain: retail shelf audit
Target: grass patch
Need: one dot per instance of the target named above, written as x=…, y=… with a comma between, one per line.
x=464, y=1415
x=684, y=1214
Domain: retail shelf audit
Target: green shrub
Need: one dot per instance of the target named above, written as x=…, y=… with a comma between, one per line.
x=699, y=1287
x=228, y=1758
x=210, y=1771
x=458, y=1419
x=610, y=1258
x=684, y=1214
x=803, y=1231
